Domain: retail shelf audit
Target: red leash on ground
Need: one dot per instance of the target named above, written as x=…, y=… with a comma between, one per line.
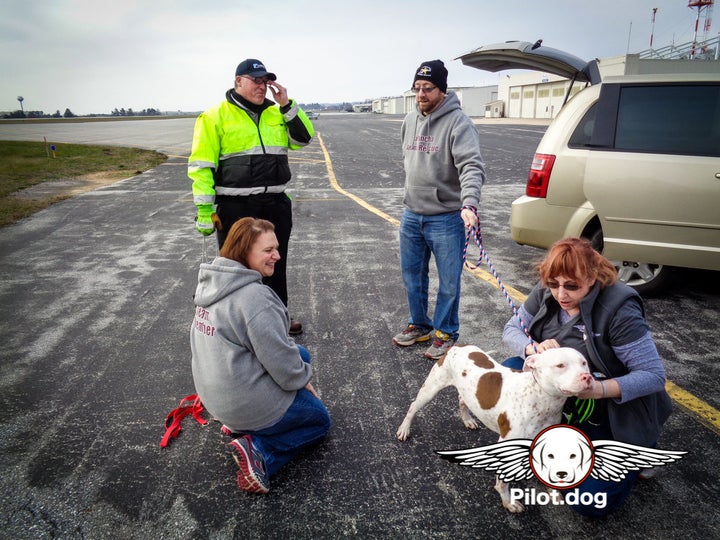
x=189, y=405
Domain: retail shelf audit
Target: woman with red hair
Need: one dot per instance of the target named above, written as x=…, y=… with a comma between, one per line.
x=580, y=303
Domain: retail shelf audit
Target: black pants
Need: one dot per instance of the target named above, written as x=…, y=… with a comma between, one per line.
x=275, y=208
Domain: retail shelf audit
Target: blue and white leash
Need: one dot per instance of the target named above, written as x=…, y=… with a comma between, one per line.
x=476, y=233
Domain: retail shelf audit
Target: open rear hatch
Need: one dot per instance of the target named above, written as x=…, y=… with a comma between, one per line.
x=533, y=56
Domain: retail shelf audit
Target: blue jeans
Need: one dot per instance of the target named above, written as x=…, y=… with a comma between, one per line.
x=612, y=494
x=514, y=362
x=304, y=424
x=443, y=235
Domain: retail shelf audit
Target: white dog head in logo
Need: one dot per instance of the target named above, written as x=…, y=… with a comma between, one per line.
x=561, y=457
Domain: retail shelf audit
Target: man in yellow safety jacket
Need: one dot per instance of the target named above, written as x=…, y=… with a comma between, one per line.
x=239, y=161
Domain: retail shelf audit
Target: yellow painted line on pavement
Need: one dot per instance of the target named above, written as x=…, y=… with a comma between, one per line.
x=336, y=187
x=295, y=159
x=487, y=276
x=705, y=413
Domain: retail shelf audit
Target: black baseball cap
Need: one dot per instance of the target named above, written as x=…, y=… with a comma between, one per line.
x=254, y=68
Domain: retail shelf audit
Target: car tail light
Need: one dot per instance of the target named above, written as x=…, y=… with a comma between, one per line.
x=539, y=175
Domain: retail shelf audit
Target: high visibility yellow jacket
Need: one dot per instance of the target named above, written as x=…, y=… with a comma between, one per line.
x=238, y=152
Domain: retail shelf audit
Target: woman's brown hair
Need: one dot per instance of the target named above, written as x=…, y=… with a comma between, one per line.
x=575, y=258
x=242, y=236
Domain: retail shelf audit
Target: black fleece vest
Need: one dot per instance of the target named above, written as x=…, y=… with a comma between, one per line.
x=640, y=420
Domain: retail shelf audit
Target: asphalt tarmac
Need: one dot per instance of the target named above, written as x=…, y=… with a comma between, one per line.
x=97, y=305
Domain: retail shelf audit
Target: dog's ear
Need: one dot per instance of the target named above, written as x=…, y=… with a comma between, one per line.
x=529, y=363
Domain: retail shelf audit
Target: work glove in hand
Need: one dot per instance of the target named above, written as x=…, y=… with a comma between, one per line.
x=216, y=221
x=204, y=222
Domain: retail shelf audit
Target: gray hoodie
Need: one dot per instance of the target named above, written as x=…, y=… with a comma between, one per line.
x=245, y=367
x=444, y=170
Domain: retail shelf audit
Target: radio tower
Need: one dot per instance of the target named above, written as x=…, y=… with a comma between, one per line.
x=652, y=32
x=706, y=7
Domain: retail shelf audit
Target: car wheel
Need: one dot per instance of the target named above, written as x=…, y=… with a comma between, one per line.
x=645, y=278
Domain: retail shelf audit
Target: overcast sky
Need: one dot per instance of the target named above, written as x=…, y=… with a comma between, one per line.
x=92, y=56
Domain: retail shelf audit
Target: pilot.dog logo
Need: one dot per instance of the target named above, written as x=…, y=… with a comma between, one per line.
x=561, y=457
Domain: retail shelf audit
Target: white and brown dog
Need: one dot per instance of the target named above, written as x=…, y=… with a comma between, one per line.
x=514, y=404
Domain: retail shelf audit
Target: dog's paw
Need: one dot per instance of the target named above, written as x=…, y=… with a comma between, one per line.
x=467, y=418
x=514, y=507
x=402, y=433
x=511, y=504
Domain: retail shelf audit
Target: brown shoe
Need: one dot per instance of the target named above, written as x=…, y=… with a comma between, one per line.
x=295, y=328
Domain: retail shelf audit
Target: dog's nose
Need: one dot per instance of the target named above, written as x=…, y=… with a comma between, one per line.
x=562, y=474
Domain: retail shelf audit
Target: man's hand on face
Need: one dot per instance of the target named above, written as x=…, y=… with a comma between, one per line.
x=279, y=93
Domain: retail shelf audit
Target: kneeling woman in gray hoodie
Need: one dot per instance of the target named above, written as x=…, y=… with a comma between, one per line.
x=249, y=374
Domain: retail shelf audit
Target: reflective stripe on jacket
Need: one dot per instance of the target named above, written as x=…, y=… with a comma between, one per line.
x=237, y=152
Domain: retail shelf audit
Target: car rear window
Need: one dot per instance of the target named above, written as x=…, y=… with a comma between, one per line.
x=583, y=132
x=669, y=120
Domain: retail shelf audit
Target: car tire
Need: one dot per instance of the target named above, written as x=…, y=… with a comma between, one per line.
x=647, y=279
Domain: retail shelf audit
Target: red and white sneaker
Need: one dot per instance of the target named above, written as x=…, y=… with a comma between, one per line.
x=251, y=477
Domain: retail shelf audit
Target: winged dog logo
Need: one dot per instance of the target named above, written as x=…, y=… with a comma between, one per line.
x=561, y=457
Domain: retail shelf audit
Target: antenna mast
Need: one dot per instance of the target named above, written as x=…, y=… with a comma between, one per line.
x=652, y=32
x=706, y=6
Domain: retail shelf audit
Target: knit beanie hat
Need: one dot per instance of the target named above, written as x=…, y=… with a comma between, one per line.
x=433, y=71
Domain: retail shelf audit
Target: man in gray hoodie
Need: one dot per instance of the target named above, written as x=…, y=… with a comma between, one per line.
x=444, y=173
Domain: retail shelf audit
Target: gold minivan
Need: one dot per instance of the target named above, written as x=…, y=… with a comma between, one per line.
x=631, y=162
